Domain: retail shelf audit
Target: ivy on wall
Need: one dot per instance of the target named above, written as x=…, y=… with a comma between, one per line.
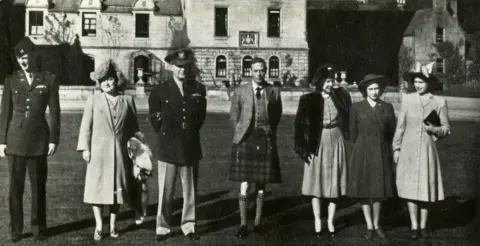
x=405, y=63
x=455, y=72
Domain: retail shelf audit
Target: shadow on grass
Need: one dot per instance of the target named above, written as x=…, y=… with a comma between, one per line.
x=277, y=212
x=151, y=210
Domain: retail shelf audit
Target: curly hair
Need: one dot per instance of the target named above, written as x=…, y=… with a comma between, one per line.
x=362, y=87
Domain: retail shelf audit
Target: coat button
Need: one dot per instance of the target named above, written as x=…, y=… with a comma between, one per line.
x=28, y=99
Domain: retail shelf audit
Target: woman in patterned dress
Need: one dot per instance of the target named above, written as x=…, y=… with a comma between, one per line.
x=419, y=178
x=108, y=122
x=321, y=127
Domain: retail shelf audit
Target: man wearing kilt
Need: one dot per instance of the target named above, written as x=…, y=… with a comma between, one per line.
x=255, y=113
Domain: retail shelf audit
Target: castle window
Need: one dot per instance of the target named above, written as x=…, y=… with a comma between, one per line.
x=221, y=21
x=35, y=19
x=89, y=24
x=247, y=66
x=273, y=23
x=440, y=65
x=440, y=37
x=221, y=67
x=142, y=25
x=273, y=67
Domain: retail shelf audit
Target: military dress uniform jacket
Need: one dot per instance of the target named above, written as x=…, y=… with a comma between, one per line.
x=177, y=121
x=23, y=127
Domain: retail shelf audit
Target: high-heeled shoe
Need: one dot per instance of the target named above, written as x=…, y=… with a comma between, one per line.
x=414, y=234
x=114, y=233
x=369, y=234
x=97, y=235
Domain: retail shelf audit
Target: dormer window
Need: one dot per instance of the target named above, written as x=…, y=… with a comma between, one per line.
x=142, y=22
x=89, y=24
x=35, y=25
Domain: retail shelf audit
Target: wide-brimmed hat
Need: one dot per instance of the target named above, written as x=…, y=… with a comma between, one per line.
x=323, y=72
x=24, y=47
x=373, y=78
x=180, y=57
x=424, y=73
x=106, y=70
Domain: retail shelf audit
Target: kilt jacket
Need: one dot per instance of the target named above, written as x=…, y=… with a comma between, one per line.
x=309, y=117
x=242, y=110
x=23, y=126
x=177, y=121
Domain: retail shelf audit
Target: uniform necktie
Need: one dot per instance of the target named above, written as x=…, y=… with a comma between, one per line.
x=258, y=94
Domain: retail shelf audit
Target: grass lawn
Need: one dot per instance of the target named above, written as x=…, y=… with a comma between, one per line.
x=288, y=214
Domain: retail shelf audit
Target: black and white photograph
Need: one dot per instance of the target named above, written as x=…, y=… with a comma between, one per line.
x=240, y=122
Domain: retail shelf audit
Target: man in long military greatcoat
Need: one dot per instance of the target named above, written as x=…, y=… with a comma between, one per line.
x=177, y=111
x=26, y=138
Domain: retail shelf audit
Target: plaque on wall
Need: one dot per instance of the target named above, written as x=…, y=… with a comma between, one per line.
x=248, y=39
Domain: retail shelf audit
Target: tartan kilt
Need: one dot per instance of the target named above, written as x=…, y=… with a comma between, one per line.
x=255, y=159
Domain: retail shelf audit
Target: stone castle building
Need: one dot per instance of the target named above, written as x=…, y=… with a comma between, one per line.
x=137, y=34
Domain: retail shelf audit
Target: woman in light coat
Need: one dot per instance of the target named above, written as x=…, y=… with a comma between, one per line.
x=108, y=122
x=419, y=178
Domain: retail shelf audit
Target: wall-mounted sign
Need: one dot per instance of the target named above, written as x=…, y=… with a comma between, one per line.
x=248, y=39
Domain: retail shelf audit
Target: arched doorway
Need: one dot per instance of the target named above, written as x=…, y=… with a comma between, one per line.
x=141, y=64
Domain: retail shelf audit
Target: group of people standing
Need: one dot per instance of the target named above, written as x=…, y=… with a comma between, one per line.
x=389, y=155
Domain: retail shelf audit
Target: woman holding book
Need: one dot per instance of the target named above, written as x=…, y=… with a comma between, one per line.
x=422, y=120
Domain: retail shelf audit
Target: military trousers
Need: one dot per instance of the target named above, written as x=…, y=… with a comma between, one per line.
x=167, y=176
x=37, y=171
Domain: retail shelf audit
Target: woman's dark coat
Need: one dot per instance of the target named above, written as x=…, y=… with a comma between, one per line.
x=370, y=170
x=309, y=117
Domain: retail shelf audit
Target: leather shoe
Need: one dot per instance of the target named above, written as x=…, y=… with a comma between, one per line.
x=425, y=233
x=193, y=236
x=318, y=233
x=260, y=230
x=369, y=234
x=16, y=238
x=380, y=232
x=40, y=237
x=162, y=237
x=414, y=234
x=242, y=232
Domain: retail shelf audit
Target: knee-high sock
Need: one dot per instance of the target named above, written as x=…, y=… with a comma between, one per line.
x=242, y=204
x=259, y=208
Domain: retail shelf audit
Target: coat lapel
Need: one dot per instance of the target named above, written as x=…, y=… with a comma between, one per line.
x=36, y=80
x=368, y=110
x=106, y=110
x=249, y=98
x=23, y=80
x=122, y=110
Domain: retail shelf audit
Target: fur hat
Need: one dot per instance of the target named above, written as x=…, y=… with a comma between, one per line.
x=106, y=70
x=180, y=57
x=424, y=73
x=324, y=72
x=25, y=46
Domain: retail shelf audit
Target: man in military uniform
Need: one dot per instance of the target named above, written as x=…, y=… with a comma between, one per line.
x=26, y=138
x=177, y=111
